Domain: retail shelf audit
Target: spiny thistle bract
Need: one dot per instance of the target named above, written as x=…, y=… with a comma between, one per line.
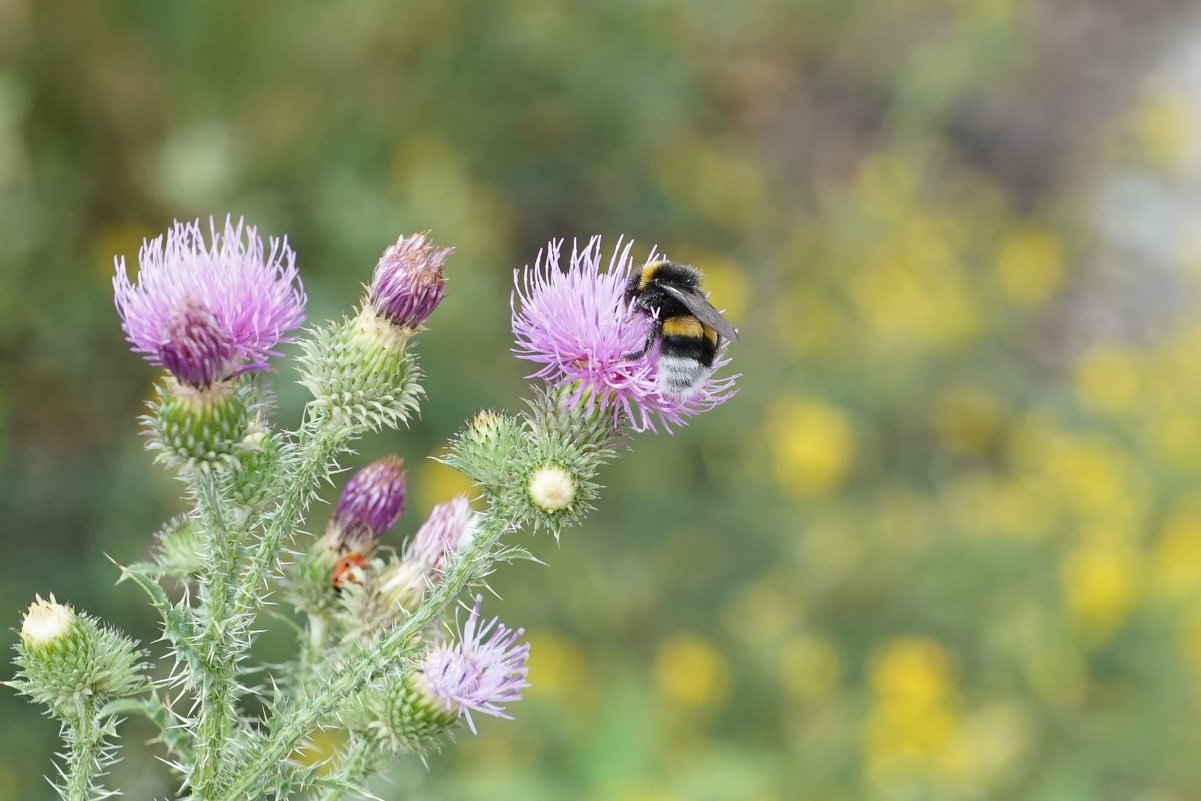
x=378, y=652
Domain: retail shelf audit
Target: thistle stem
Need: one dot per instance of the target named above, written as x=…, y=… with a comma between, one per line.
x=282, y=741
x=216, y=714
x=354, y=768
x=86, y=738
x=319, y=442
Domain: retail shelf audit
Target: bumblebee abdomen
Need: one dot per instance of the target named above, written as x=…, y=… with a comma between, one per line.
x=685, y=336
x=686, y=357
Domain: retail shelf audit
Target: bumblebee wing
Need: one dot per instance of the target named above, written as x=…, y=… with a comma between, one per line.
x=699, y=305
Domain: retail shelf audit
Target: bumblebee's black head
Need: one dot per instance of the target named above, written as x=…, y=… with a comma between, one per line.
x=642, y=285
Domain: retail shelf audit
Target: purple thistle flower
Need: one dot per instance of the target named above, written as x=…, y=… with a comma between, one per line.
x=209, y=310
x=408, y=283
x=576, y=324
x=483, y=671
x=449, y=529
x=371, y=503
x=196, y=351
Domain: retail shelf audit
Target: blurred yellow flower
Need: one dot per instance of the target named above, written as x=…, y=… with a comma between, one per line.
x=321, y=748
x=557, y=665
x=122, y=239
x=689, y=671
x=912, y=671
x=1176, y=438
x=723, y=186
x=437, y=484
x=986, y=748
x=762, y=601
x=1029, y=265
x=1177, y=554
x=1107, y=380
x=1096, y=476
x=1167, y=126
x=805, y=323
x=1101, y=583
x=810, y=667
x=812, y=444
x=885, y=186
x=916, y=299
x=967, y=419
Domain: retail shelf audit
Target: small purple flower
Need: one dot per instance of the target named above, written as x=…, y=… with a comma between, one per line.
x=483, y=671
x=371, y=503
x=408, y=283
x=209, y=310
x=576, y=324
x=448, y=530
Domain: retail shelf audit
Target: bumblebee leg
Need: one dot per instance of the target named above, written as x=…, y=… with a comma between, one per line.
x=656, y=327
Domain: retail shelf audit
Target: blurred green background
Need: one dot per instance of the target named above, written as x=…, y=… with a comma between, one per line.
x=945, y=544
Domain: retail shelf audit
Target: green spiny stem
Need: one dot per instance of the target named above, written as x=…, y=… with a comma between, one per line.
x=355, y=767
x=216, y=708
x=287, y=734
x=86, y=740
x=319, y=442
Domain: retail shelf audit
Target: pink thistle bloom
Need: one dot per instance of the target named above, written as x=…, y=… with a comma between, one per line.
x=481, y=672
x=408, y=282
x=576, y=324
x=210, y=310
x=449, y=528
x=371, y=503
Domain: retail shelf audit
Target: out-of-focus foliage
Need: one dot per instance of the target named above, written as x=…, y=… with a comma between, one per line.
x=946, y=543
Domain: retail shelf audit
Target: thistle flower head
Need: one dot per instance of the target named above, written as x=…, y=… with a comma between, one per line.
x=481, y=672
x=449, y=529
x=408, y=283
x=208, y=309
x=371, y=503
x=576, y=324
x=46, y=622
x=63, y=655
x=551, y=488
x=196, y=350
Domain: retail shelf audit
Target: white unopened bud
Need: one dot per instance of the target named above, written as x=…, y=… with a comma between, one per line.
x=46, y=623
x=551, y=488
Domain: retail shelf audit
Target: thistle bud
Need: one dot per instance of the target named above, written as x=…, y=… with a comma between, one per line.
x=46, y=625
x=63, y=655
x=551, y=489
x=201, y=428
x=482, y=672
x=489, y=449
x=448, y=530
x=360, y=369
x=371, y=503
x=408, y=283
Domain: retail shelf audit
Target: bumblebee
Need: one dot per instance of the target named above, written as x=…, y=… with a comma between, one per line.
x=689, y=329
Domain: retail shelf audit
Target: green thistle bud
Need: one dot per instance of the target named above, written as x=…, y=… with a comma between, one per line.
x=180, y=548
x=412, y=721
x=63, y=656
x=488, y=449
x=309, y=586
x=201, y=428
x=360, y=371
x=554, y=487
x=251, y=486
